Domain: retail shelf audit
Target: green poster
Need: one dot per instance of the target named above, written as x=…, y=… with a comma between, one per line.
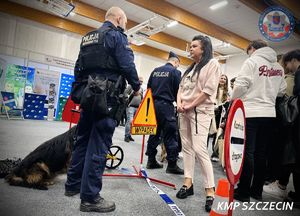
x=16, y=78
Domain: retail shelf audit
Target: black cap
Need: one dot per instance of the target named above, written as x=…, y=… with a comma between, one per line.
x=173, y=55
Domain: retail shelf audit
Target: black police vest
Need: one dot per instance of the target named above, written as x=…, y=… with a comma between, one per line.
x=93, y=55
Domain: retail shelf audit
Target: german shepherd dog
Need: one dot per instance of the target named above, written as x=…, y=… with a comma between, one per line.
x=38, y=169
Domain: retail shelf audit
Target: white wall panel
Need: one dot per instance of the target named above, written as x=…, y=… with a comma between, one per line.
x=48, y=42
x=25, y=36
x=20, y=53
x=7, y=32
x=37, y=65
x=71, y=47
x=146, y=64
x=233, y=65
x=6, y=50
x=13, y=60
x=62, y=70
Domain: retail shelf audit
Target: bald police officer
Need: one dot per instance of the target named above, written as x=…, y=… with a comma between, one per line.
x=164, y=83
x=104, y=56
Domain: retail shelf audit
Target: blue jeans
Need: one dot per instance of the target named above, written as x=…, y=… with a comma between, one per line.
x=130, y=112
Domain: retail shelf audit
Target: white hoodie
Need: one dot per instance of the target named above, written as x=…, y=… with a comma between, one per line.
x=259, y=82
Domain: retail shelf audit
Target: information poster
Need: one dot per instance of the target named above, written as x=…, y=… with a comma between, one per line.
x=17, y=79
x=46, y=83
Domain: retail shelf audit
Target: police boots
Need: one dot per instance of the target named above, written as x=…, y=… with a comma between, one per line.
x=173, y=168
x=153, y=164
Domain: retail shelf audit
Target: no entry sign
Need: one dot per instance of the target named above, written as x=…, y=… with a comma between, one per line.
x=234, y=141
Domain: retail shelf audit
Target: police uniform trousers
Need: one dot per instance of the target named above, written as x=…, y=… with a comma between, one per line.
x=167, y=125
x=94, y=138
x=193, y=128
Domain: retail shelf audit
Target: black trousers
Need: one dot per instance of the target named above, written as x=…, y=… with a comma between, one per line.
x=284, y=178
x=166, y=123
x=259, y=134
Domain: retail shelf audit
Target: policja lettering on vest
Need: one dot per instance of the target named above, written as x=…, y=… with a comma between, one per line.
x=92, y=38
x=161, y=74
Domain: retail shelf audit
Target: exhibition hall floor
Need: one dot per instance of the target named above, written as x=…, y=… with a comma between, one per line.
x=132, y=196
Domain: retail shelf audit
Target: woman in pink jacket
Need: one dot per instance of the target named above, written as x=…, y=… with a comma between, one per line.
x=195, y=103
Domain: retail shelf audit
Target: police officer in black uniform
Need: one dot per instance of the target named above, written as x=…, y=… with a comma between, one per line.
x=103, y=53
x=164, y=83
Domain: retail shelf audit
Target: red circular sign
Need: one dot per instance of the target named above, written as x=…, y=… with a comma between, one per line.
x=234, y=141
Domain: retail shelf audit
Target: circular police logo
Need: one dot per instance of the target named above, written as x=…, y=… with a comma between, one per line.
x=276, y=24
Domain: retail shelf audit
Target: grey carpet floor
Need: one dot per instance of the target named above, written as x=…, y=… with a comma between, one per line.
x=132, y=196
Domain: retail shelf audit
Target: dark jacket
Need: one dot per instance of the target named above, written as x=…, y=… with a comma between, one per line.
x=118, y=58
x=291, y=149
x=164, y=82
x=296, y=90
x=297, y=125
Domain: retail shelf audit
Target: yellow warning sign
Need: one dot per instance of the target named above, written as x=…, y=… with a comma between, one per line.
x=144, y=121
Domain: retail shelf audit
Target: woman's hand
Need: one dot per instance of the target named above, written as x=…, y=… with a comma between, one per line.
x=180, y=108
x=188, y=107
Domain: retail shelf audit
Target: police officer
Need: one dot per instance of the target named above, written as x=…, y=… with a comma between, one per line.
x=164, y=83
x=103, y=53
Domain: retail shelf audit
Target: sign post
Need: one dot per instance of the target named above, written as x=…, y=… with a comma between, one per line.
x=234, y=144
x=144, y=123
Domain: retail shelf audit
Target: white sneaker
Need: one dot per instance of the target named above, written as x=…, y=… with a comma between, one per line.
x=274, y=190
x=180, y=155
x=215, y=159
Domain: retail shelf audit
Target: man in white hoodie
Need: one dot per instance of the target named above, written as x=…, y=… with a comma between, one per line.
x=259, y=82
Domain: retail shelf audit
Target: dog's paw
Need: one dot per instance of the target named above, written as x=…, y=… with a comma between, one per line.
x=48, y=183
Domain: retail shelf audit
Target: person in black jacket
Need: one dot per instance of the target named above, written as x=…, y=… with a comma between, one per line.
x=291, y=60
x=291, y=142
x=164, y=83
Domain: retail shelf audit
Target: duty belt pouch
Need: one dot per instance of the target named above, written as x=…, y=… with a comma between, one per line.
x=117, y=110
x=77, y=90
x=94, y=96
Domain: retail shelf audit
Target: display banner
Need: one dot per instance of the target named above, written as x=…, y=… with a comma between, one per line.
x=2, y=73
x=17, y=79
x=59, y=62
x=46, y=83
x=66, y=81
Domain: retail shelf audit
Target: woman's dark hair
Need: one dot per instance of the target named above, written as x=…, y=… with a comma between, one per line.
x=294, y=54
x=206, y=55
x=256, y=44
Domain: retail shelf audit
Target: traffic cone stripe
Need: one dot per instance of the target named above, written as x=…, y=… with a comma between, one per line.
x=220, y=205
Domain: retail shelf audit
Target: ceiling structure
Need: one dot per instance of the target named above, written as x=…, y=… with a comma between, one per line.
x=236, y=23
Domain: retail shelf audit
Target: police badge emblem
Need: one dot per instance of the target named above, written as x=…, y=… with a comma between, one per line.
x=276, y=23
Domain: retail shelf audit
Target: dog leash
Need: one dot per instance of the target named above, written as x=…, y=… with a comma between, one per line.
x=162, y=194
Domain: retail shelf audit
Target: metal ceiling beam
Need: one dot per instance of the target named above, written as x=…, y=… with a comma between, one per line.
x=98, y=14
x=61, y=23
x=186, y=18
